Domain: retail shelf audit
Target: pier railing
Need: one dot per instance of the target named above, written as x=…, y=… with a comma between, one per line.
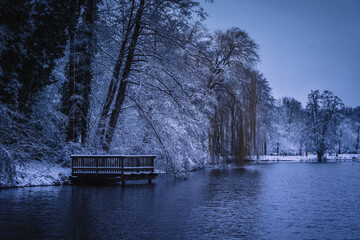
x=111, y=164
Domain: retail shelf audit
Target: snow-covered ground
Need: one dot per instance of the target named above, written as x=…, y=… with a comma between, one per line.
x=37, y=174
x=309, y=158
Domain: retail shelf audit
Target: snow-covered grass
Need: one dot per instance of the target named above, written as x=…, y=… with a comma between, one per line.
x=35, y=173
x=309, y=158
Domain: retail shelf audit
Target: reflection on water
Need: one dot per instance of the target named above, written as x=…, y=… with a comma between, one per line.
x=260, y=201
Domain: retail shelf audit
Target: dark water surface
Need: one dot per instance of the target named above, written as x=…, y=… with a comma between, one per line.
x=260, y=201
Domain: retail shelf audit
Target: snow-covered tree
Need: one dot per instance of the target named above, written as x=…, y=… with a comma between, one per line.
x=348, y=131
x=356, y=119
x=289, y=124
x=227, y=59
x=144, y=20
x=324, y=115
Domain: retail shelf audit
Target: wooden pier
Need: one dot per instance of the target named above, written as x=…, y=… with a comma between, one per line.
x=112, y=167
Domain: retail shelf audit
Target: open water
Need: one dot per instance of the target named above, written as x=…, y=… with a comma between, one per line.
x=259, y=201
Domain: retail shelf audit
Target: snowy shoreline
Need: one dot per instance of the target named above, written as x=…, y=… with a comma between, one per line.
x=34, y=173
x=309, y=158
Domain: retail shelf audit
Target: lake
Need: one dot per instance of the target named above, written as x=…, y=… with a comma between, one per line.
x=259, y=201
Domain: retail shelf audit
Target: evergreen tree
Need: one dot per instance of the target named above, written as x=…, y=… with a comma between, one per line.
x=79, y=72
x=35, y=35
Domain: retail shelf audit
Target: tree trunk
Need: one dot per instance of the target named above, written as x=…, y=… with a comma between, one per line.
x=340, y=137
x=232, y=129
x=253, y=103
x=122, y=88
x=265, y=150
x=242, y=143
x=87, y=68
x=319, y=155
x=358, y=139
x=100, y=132
x=71, y=90
x=80, y=72
x=222, y=135
x=215, y=137
x=211, y=148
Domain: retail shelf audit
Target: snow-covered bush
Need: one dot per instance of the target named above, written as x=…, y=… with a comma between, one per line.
x=37, y=136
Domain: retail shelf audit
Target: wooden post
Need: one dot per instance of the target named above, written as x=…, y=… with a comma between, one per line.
x=152, y=164
x=97, y=165
x=137, y=163
x=122, y=165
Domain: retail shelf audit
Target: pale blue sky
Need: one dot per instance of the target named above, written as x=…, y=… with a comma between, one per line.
x=304, y=44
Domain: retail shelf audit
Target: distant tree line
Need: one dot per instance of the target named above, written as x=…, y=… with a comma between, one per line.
x=324, y=125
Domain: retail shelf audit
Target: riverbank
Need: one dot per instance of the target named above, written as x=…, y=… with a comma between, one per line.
x=309, y=158
x=35, y=173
